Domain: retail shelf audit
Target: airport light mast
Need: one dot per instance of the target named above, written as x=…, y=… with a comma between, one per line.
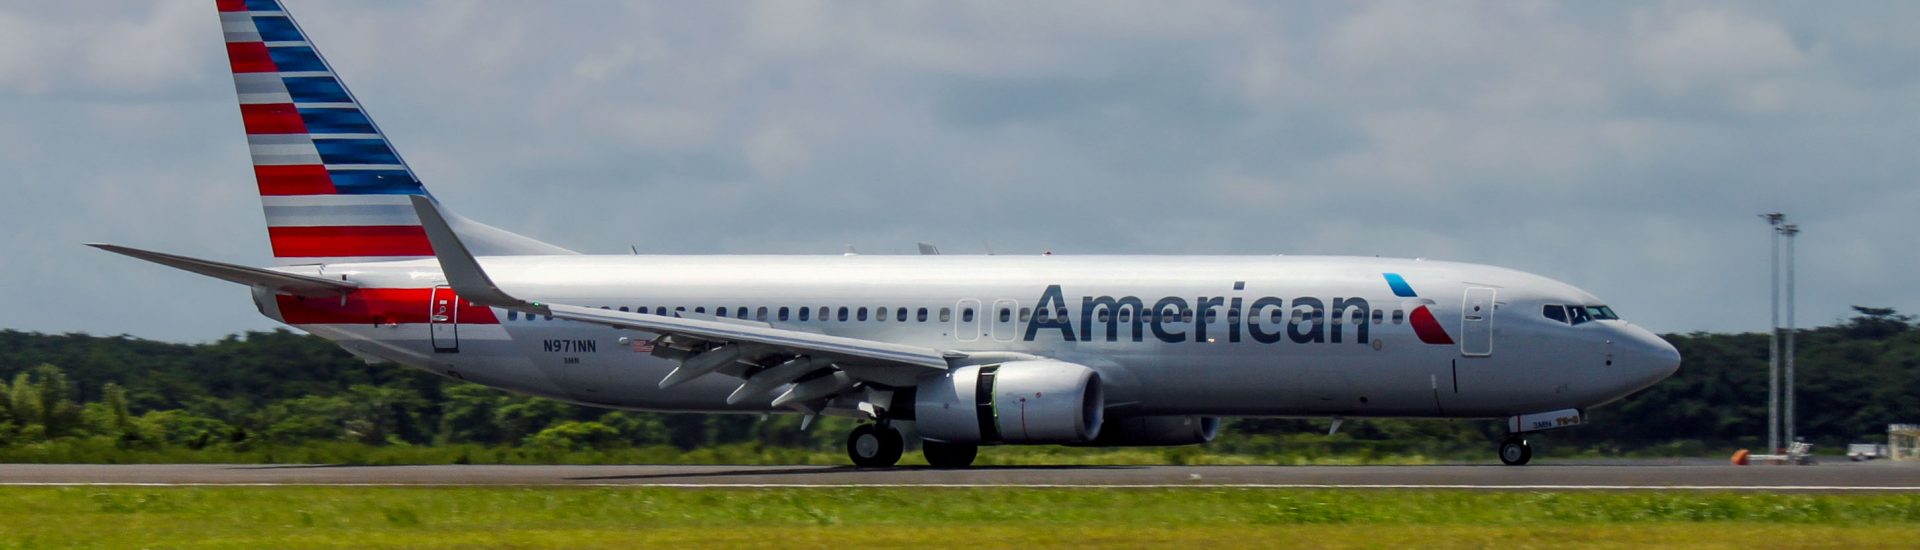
x=1774, y=220
x=1790, y=231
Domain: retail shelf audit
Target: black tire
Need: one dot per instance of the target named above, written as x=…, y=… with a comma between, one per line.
x=872, y=446
x=1515, y=451
x=949, y=455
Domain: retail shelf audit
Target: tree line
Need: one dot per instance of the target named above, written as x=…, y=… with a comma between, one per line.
x=280, y=388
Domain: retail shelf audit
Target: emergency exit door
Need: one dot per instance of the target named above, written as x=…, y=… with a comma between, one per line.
x=443, y=320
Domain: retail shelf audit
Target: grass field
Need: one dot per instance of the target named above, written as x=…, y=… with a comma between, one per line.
x=336, y=517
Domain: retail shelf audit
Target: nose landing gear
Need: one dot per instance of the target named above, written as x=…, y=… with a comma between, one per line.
x=875, y=446
x=1514, y=451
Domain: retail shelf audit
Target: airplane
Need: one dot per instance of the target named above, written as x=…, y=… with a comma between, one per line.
x=972, y=350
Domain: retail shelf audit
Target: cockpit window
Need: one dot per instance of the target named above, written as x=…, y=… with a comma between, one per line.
x=1578, y=315
x=1555, y=312
x=1575, y=314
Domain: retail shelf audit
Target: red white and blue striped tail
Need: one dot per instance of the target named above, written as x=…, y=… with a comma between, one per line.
x=333, y=188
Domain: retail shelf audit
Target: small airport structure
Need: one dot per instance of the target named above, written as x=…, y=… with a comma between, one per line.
x=1903, y=442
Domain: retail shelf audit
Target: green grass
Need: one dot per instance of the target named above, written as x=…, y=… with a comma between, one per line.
x=104, y=451
x=336, y=517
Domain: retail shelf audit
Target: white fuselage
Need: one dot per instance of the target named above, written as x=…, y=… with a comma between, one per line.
x=1233, y=336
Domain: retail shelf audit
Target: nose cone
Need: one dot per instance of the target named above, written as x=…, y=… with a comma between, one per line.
x=1644, y=358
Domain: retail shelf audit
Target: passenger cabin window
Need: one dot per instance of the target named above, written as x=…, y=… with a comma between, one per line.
x=1025, y=314
x=903, y=315
x=921, y=315
x=719, y=312
x=513, y=315
x=1557, y=313
x=700, y=310
x=803, y=313
x=783, y=313
x=946, y=314
x=1398, y=316
x=862, y=316
x=1005, y=315
x=880, y=314
x=824, y=310
x=760, y=314
x=1378, y=315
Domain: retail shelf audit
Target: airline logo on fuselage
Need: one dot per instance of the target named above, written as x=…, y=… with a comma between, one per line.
x=1263, y=319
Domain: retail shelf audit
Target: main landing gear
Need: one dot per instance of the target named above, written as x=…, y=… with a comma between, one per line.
x=875, y=446
x=880, y=446
x=948, y=455
x=1514, y=451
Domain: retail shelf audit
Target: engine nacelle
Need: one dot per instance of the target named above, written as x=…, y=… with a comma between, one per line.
x=1014, y=402
x=1157, y=431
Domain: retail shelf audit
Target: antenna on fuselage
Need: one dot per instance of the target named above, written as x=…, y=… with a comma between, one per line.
x=633, y=249
x=928, y=249
x=987, y=245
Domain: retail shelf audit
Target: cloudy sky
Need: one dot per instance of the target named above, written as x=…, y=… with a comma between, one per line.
x=1622, y=147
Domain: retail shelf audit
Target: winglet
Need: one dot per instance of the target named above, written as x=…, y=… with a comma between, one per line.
x=456, y=262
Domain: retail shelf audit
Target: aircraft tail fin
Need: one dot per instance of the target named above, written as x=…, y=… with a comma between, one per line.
x=332, y=186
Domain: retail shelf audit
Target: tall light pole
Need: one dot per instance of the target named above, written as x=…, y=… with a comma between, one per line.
x=1790, y=230
x=1774, y=219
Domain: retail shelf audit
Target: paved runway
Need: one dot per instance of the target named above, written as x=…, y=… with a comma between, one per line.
x=1872, y=476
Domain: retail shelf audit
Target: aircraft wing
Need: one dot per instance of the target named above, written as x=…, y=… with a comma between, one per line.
x=290, y=283
x=813, y=367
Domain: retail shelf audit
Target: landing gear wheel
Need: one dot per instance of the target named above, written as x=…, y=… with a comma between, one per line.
x=872, y=446
x=1514, y=451
x=948, y=455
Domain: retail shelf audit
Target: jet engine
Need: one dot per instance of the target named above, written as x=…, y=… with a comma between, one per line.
x=1157, y=431
x=1013, y=402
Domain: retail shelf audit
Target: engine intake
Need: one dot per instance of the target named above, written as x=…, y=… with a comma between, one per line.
x=1014, y=402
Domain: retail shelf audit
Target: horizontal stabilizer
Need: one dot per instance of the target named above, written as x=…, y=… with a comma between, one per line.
x=290, y=283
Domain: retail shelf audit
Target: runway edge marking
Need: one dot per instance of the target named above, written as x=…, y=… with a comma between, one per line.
x=1002, y=485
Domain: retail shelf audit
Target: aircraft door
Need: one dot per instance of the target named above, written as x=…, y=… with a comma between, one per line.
x=1006, y=320
x=443, y=320
x=966, y=320
x=1476, y=322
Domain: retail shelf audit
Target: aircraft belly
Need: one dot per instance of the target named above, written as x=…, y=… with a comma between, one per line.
x=488, y=355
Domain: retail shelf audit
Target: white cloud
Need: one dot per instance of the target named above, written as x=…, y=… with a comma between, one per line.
x=1683, y=50
x=1623, y=148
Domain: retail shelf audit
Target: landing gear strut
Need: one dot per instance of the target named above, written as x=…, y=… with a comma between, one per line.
x=1514, y=451
x=948, y=455
x=875, y=446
